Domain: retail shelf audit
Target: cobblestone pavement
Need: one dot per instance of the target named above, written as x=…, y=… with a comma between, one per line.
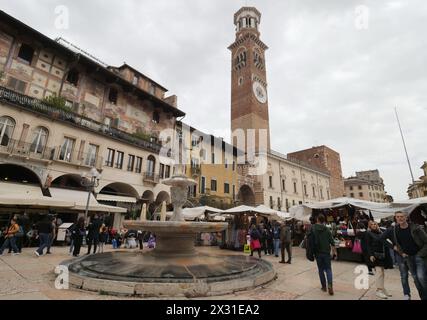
x=26, y=277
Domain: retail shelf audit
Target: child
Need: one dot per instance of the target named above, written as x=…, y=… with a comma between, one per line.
x=152, y=241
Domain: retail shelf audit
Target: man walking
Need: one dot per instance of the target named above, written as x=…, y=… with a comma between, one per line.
x=93, y=234
x=410, y=243
x=44, y=228
x=52, y=236
x=276, y=238
x=286, y=242
x=322, y=245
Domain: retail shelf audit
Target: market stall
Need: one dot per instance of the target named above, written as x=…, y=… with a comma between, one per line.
x=416, y=208
x=347, y=219
x=242, y=217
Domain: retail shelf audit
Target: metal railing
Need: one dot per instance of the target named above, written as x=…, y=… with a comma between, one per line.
x=151, y=177
x=38, y=106
x=29, y=150
x=77, y=158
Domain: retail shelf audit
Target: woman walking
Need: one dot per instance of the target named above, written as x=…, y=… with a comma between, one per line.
x=379, y=257
x=255, y=237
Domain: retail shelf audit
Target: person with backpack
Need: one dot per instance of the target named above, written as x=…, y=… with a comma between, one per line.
x=410, y=243
x=320, y=243
x=44, y=228
x=255, y=240
x=379, y=257
x=10, y=238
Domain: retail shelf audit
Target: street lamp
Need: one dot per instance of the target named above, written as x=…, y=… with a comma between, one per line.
x=90, y=181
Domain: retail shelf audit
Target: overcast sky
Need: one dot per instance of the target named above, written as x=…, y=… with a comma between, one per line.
x=334, y=77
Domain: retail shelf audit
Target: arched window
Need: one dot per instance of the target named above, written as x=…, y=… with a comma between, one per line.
x=7, y=125
x=39, y=139
x=151, y=165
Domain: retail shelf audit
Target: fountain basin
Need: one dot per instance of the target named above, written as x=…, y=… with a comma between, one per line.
x=133, y=273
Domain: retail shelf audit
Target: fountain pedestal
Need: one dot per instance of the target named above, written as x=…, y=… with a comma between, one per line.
x=175, y=238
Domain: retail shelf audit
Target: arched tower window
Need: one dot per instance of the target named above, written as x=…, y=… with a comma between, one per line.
x=241, y=59
x=258, y=61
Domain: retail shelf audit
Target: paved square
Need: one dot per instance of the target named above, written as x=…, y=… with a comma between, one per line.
x=26, y=277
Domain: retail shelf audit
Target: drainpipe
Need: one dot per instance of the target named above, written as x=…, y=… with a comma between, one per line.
x=302, y=186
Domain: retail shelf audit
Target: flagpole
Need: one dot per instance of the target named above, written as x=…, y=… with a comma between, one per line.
x=404, y=146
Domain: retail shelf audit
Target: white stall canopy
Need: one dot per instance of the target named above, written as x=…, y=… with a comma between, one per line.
x=191, y=214
x=378, y=210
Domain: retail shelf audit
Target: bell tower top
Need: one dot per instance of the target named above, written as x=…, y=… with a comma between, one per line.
x=247, y=19
x=249, y=98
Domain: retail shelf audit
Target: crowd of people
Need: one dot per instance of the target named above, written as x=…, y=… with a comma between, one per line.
x=405, y=241
x=402, y=244
x=271, y=238
x=19, y=233
x=97, y=235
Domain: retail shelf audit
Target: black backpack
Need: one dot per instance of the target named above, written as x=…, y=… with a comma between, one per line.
x=310, y=246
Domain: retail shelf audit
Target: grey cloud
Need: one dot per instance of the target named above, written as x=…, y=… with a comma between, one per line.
x=329, y=83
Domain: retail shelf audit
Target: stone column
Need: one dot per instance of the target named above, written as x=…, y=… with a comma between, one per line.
x=24, y=133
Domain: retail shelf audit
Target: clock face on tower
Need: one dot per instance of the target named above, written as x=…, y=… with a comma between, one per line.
x=260, y=92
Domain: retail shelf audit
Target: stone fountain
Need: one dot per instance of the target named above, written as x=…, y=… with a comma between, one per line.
x=174, y=268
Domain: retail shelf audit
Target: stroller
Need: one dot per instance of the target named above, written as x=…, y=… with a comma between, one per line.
x=130, y=239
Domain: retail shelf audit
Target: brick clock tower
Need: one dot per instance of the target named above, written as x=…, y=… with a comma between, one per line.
x=249, y=99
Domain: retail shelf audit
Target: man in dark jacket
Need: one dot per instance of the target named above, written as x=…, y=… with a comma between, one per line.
x=276, y=237
x=44, y=228
x=286, y=243
x=410, y=243
x=322, y=251
x=93, y=234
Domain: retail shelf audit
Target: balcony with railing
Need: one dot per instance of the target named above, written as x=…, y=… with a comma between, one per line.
x=151, y=177
x=79, y=159
x=26, y=150
x=39, y=107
